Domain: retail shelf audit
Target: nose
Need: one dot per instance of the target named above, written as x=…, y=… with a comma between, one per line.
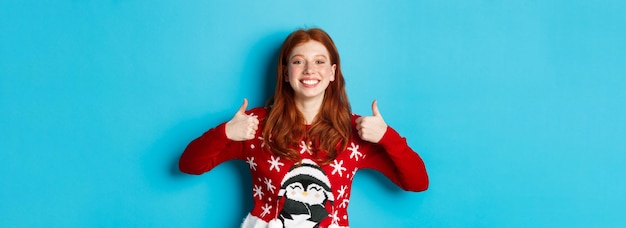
x=305, y=193
x=308, y=69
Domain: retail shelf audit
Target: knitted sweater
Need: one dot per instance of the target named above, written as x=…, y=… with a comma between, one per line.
x=305, y=194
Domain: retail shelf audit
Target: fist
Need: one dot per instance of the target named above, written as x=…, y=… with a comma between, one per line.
x=371, y=128
x=242, y=126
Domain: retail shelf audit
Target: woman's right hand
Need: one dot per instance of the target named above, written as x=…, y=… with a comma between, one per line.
x=242, y=126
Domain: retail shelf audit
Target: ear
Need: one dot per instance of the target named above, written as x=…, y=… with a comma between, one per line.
x=286, y=74
x=332, y=73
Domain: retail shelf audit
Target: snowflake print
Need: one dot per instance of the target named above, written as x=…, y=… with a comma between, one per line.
x=305, y=147
x=266, y=209
x=342, y=191
x=250, y=161
x=354, y=172
x=355, y=153
x=338, y=167
x=262, y=142
x=344, y=203
x=270, y=187
x=334, y=217
x=274, y=163
x=258, y=191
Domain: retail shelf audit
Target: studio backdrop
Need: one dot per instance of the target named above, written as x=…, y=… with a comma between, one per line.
x=518, y=108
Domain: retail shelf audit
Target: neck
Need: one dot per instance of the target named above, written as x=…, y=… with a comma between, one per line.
x=309, y=108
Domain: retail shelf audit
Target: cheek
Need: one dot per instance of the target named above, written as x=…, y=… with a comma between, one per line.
x=291, y=69
x=329, y=73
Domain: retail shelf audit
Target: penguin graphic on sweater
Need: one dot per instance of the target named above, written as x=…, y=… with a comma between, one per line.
x=306, y=189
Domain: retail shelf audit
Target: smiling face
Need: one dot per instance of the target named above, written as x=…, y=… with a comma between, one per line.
x=309, y=193
x=309, y=70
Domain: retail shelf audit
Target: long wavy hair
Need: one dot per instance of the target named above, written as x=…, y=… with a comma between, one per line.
x=285, y=125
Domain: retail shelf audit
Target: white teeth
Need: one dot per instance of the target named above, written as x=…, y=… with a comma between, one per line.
x=310, y=82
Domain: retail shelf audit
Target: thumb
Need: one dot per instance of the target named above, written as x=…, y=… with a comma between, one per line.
x=243, y=107
x=375, y=111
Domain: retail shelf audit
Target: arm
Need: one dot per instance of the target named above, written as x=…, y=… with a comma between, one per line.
x=219, y=144
x=397, y=161
x=208, y=151
x=390, y=154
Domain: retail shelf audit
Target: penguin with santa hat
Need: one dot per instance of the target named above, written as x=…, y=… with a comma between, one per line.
x=306, y=190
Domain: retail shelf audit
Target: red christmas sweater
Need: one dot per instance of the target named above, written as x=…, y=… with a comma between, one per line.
x=305, y=194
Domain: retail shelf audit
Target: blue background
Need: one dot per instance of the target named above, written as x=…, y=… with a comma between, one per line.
x=517, y=107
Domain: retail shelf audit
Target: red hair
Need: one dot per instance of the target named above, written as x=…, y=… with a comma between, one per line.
x=285, y=125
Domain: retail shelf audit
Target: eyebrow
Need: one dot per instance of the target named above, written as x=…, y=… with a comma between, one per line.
x=299, y=55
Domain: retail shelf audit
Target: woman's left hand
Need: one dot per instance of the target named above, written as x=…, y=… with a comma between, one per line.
x=371, y=128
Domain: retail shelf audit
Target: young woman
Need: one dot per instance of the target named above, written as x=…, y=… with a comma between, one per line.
x=305, y=146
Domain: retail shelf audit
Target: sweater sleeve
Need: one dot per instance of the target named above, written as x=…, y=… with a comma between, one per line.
x=209, y=150
x=397, y=161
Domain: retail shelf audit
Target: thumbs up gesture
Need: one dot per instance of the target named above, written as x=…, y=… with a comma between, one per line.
x=242, y=127
x=371, y=128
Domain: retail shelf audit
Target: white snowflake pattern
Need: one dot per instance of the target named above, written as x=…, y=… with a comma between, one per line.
x=355, y=153
x=258, y=191
x=334, y=217
x=344, y=203
x=275, y=164
x=342, y=191
x=270, y=187
x=305, y=147
x=338, y=167
x=266, y=209
x=354, y=172
x=262, y=142
x=250, y=161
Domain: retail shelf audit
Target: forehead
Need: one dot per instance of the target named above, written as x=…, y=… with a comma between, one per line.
x=310, y=48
